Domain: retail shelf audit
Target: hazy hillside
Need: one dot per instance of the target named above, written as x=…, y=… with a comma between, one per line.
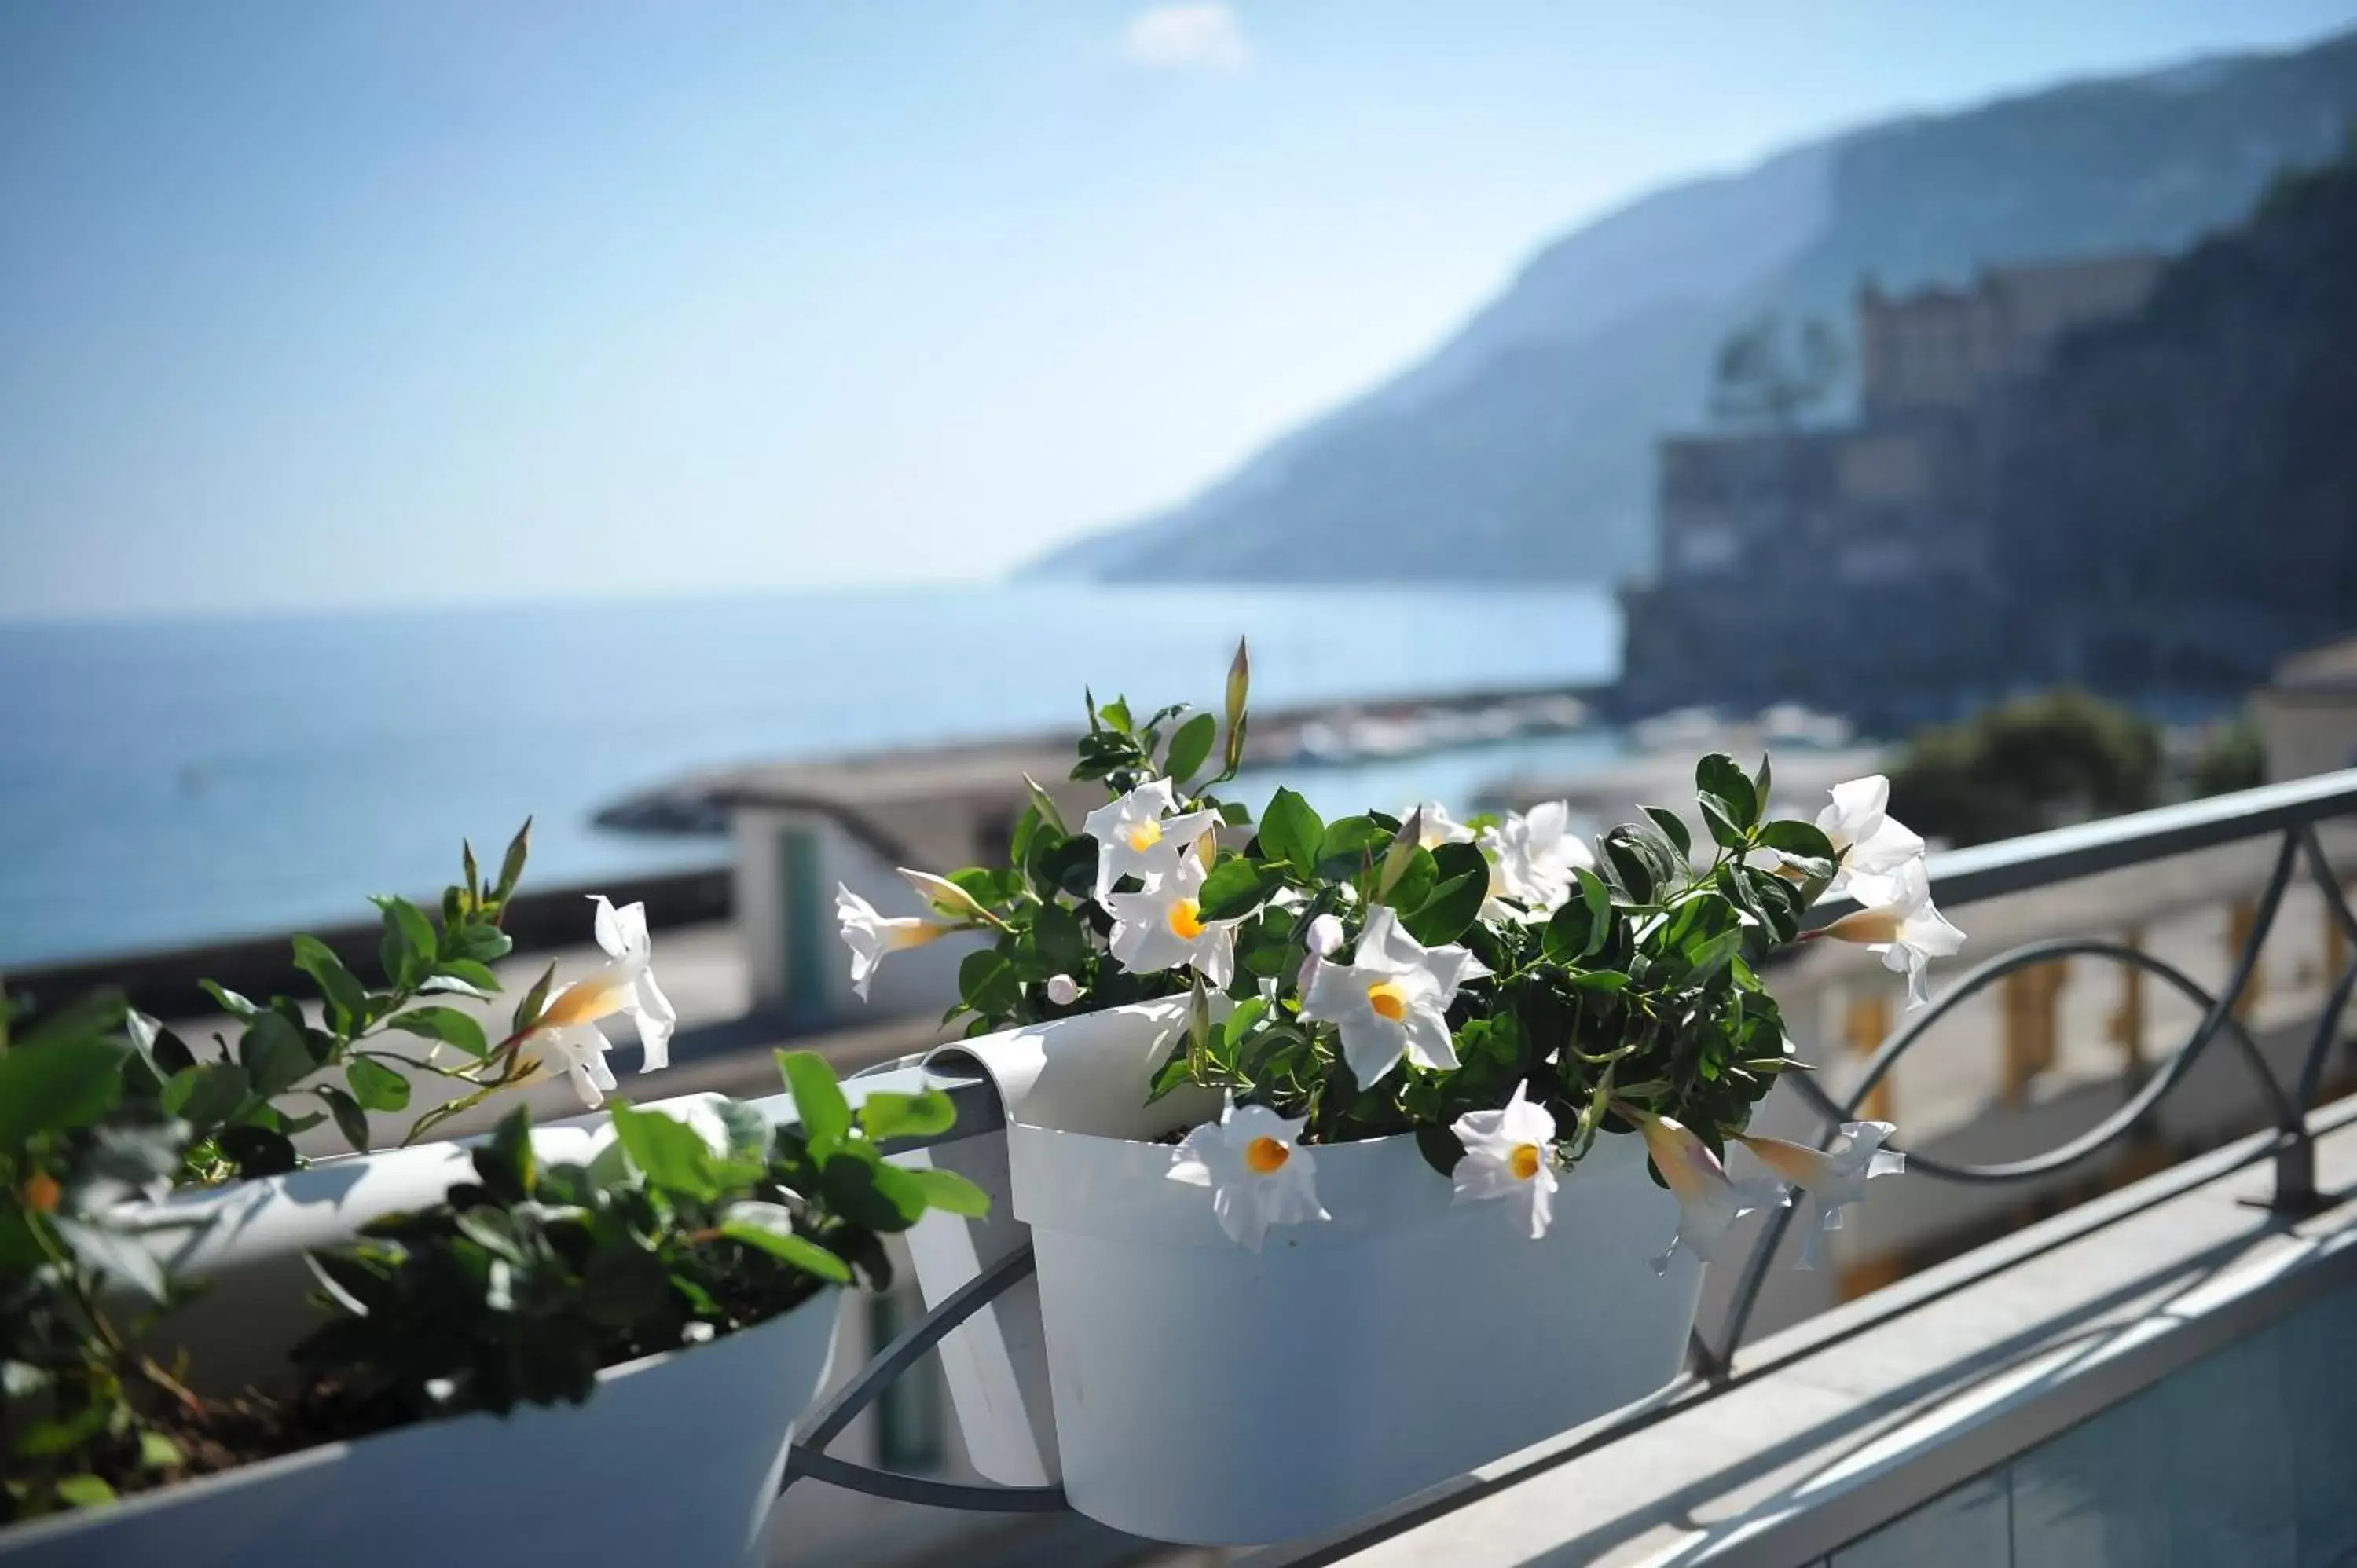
x=1524, y=447
x=2177, y=497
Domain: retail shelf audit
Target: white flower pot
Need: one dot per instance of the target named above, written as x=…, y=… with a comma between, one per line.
x=1208, y=1394
x=675, y=1459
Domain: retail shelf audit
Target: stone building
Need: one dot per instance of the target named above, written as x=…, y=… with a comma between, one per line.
x=1848, y=567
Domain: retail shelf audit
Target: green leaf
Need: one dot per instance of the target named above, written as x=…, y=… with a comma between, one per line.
x=888, y=1115
x=229, y=1000
x=1056, y=936
x=274, y=1054
x=207, y=1095
x=1597, y=980
x=1116, y=715
x=1347, y=842
x=988, y=982
x=1673, y=828
x=824, y=1113
x=483, y=944
x=669, y=1155
x=84, y=1491
x=1454, y=904
x=750, y=1133
x=1290, y=831
x=1235, y=888
x=1717, y=773
x=473, y=978
x=406, y=950
x=950, y=1192
x=347, y=998
x=376, y=1086
x=54, y=1087
x=770, y=1227
x=511, y=864
x=451, y=984
x=527, y=1010
x=447, y=1025
x=1798, y=840
x=1191, y=746
x=350, y=1120
x=157, y=1452
x=1724, y=829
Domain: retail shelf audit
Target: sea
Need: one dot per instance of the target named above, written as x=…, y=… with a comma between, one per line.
x=171, y=781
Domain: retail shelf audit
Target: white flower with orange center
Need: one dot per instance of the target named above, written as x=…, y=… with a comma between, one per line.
x=1163, y=926
x=1134, y=831
x=1258, y=1173
x=1391, y=999
x=566, y=1037
x=871, y=937
x=1531, y=859
x=1709, y=1202
x=1832, y=1179
x=1508, y=1155
x=1899, y=921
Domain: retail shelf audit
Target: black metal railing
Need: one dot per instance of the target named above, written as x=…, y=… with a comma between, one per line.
x=2290, y=812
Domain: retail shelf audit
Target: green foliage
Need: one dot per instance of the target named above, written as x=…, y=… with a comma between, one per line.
x=526, y=1281
x=1639, y=985
x=2234, y=757
x=2026, y=766
x=246, y=1099
x=73, y=1146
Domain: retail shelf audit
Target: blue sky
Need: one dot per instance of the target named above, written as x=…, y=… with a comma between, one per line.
x=432, y=300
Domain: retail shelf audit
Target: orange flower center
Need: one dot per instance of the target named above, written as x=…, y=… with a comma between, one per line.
x=1185, y=918
x=1523, y=1162
x=1388, y=998
x=41, y=1192
x=1266, y=1156
x=583, y=1001
x=1144, y=836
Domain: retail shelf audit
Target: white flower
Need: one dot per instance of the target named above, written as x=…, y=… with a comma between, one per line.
x=1258, y=1176
x=1531, y=859
x=1506, y=1155
x=576, y=1050
x=1708, y=1203
x=1900, y=923
x=1163, y=926
x=1391, y=999
x=1131, y=831
x=1325, y=934
x=1435, y=827
x=1063, y=990
x=1868, y=839
x=871, y=936
x=623, y=984
x=1832, y=1179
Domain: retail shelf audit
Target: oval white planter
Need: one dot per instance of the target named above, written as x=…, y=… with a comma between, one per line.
x=675, y=1459
x=1208, y=1394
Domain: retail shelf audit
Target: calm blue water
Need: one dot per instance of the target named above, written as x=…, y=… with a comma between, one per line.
x=169, y=782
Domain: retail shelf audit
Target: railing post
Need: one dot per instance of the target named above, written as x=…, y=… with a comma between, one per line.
x=2295, y=1192
x=2241, y=924
x=2127, y=1021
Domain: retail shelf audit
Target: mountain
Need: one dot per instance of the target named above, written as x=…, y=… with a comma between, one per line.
x=1524, y=447
x=2176, y=496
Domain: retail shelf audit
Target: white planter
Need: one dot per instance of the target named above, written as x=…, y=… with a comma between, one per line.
x=675, y=1460
x=1208, y=1394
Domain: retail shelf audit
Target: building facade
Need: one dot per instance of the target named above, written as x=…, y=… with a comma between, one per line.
x=1848, y=567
